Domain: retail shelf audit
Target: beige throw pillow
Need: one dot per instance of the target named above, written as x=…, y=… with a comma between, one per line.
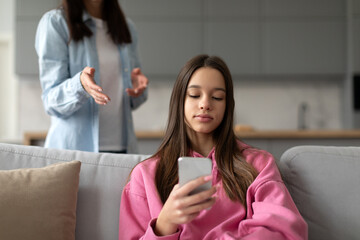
x=39, y=203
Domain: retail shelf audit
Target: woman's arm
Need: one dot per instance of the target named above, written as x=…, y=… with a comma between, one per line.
x=136, y=99
x=62, y=94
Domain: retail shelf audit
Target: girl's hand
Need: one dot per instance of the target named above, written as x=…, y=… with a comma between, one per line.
x=180, y=208
x=139, y=82
x=88, y=83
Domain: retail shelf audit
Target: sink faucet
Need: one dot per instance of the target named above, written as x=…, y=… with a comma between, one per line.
x=302, y=116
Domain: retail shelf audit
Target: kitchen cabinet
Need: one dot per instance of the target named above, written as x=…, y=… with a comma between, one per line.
x=237, y=42
x=255, y=37
x=357, y=45
x=165, y=46
x=356, y=37
x=303, y=37
x=278, y=37
x=162, y=8
x=170, y=32
x=304, y=47
x=231, y=30
x=303, y=8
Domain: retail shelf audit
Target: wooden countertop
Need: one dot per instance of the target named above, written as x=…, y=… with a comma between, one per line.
x=275, y=134
x=242, y=134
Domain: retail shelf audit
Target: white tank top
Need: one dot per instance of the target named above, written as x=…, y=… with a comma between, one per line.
x=110, y=115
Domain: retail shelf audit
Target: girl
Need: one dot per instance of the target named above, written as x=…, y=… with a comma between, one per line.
x=248, y=199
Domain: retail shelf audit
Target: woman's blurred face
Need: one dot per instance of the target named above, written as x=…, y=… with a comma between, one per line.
x=205, y=100
x=93, y=1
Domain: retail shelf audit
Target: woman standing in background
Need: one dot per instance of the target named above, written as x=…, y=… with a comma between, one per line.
x=90, y=76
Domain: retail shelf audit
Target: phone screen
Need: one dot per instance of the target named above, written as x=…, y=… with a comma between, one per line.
x=191, y=168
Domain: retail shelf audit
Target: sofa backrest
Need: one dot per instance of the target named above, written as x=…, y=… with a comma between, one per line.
x=325, y=185
x=102, y=178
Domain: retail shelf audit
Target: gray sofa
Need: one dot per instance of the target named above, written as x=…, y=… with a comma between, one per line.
x=324, y=182
x=325, y=185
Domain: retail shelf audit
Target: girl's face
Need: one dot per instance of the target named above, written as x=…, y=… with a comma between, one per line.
x=205, y=101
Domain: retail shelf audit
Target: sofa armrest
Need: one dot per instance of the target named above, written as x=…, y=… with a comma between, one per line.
x=324, y=183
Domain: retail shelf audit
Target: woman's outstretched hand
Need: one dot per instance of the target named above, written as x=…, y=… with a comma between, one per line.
x=180, y=208
x=139, y=82
x=95, y=91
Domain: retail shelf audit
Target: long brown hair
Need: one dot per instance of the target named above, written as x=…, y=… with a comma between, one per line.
x=111, y=13
x=235, y=172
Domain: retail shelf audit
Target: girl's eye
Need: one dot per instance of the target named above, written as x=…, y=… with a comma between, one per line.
x=218, y=98
x=193, y=96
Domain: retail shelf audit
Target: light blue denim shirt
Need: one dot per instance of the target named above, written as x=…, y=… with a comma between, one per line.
x=74, y=113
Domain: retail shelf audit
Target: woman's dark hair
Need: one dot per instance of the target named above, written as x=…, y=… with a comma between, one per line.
x=111, y=13
x=235, y=172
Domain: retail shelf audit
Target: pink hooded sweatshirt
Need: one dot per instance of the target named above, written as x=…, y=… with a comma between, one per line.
x=271, y=213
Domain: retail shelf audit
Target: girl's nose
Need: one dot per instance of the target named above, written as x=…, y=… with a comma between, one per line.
x=205, y=104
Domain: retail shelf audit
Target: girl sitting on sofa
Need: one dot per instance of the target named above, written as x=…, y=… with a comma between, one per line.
x=247, y=200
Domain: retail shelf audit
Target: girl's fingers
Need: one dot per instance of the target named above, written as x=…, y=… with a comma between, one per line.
x=190, y=186
x=188, y=218
x=199, y=197
x=195, y=209
x=188, y=213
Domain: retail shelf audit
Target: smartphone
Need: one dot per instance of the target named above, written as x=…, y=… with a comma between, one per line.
x=191, y=168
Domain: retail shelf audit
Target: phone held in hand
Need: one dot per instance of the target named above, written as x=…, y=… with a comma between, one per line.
x=191, y=168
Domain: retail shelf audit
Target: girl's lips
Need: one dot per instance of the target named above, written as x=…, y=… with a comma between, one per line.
x=203, y=117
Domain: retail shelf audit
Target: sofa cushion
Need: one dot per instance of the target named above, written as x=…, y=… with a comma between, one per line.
x=324, y=183
x=39, y=203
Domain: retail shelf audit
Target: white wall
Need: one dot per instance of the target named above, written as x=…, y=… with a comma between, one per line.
x=8, y=83
x=7, y=16
x=262, y=103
